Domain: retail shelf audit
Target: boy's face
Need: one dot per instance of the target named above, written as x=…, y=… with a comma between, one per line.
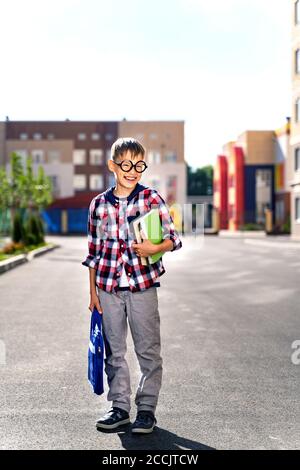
x=126, y=179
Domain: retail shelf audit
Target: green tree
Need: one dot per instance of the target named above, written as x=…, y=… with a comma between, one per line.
x=5, y=196
x=25, y=195
x=200, y=181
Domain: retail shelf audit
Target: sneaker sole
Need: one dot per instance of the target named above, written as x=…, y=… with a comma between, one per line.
x=112, y=426
x=142, y=430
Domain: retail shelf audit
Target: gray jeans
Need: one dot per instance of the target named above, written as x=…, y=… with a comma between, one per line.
x=141, y=308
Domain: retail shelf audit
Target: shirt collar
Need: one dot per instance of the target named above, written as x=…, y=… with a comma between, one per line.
x=114, y=199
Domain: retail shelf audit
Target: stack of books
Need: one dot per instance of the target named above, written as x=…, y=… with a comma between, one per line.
x=150, y=225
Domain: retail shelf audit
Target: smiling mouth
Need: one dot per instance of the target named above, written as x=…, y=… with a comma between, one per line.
x=128, y=178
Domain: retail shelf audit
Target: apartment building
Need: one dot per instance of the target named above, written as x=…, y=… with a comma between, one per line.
x=295, y=122
x=74, y=155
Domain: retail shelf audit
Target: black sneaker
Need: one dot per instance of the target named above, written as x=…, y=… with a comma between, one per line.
x=113, y=418
x=144, y=423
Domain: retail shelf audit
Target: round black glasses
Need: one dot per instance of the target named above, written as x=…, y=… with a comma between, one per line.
x=127, y=165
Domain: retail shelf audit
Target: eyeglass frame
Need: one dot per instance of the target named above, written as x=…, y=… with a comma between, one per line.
x=133, y=165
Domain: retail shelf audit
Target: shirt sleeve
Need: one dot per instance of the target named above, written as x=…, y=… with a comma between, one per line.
x=92, y=258
x=168, y=227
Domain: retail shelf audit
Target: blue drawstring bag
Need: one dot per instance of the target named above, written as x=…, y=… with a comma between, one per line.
x=96, y=353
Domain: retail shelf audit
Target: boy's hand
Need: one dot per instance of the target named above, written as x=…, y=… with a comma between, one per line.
x=146, y=248
x=94, y=302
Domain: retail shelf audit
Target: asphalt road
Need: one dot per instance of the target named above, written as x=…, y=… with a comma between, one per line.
x=230, y=312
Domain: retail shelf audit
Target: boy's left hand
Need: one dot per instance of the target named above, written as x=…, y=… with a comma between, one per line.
x=146, y=248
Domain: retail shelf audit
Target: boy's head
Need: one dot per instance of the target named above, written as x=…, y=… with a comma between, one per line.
x=125, y=152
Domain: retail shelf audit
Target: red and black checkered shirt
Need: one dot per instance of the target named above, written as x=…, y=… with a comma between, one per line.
x=108, y=252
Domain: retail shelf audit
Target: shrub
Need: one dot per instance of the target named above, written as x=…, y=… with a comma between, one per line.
x=33, y=230
x=17, y=229
x=252, y=226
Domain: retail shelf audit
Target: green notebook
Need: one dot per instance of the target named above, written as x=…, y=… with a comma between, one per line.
x=151, y=226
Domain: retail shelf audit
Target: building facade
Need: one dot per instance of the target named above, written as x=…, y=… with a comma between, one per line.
x=74, y=155
x=252, y=180
x=295, y=122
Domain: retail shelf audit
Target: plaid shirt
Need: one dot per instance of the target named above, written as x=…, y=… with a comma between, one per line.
x=108, y=252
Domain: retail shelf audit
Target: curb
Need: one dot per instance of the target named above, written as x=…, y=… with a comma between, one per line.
x=15, y=261
x=268, y=243
x=243, y=234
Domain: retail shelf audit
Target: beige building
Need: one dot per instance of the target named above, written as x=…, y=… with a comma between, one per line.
x=295, y=122
x=164, y=142
x=258, y=147
x=74, y=153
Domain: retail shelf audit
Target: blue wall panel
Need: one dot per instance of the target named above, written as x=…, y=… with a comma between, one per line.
x=250, y=191
x=52, y=219
x=77, y=220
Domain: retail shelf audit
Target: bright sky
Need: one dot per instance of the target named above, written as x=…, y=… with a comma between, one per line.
x=222, y=66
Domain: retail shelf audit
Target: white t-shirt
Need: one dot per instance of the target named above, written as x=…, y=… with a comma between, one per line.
x=123, y=282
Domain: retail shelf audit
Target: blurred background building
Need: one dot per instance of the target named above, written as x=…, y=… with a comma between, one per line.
x=74, y=155
x=295, y=122
x=251, y=177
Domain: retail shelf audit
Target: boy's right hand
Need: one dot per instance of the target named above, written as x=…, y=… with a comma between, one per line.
x=94, y=302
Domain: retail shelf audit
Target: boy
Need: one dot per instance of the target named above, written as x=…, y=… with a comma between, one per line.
x=126, y=288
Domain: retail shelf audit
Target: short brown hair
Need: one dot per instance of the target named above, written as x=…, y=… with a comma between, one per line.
x=123, y=144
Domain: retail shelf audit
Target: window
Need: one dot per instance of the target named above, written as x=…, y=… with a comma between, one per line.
x=37, y=136
x=96, y=182
x=111, y=180
x=171, y=157
x=297, y=110
x=153, y=157
x=263, y=193
x=79, y=157
x=297, y=210
x=297, y=159
x=95, y=136
x=279, y=211
x=23, y=136
x=155, y=182
x=53, y=156
x=153, y=136
x=108, y=155
x=171, y=189
x=50, y=136
x=96, y=157
x=54, y=180
x=297, y=61
x=81, y=136
x=37, y=156
x=108, y=136
x=297, y=12
x=79, y=182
